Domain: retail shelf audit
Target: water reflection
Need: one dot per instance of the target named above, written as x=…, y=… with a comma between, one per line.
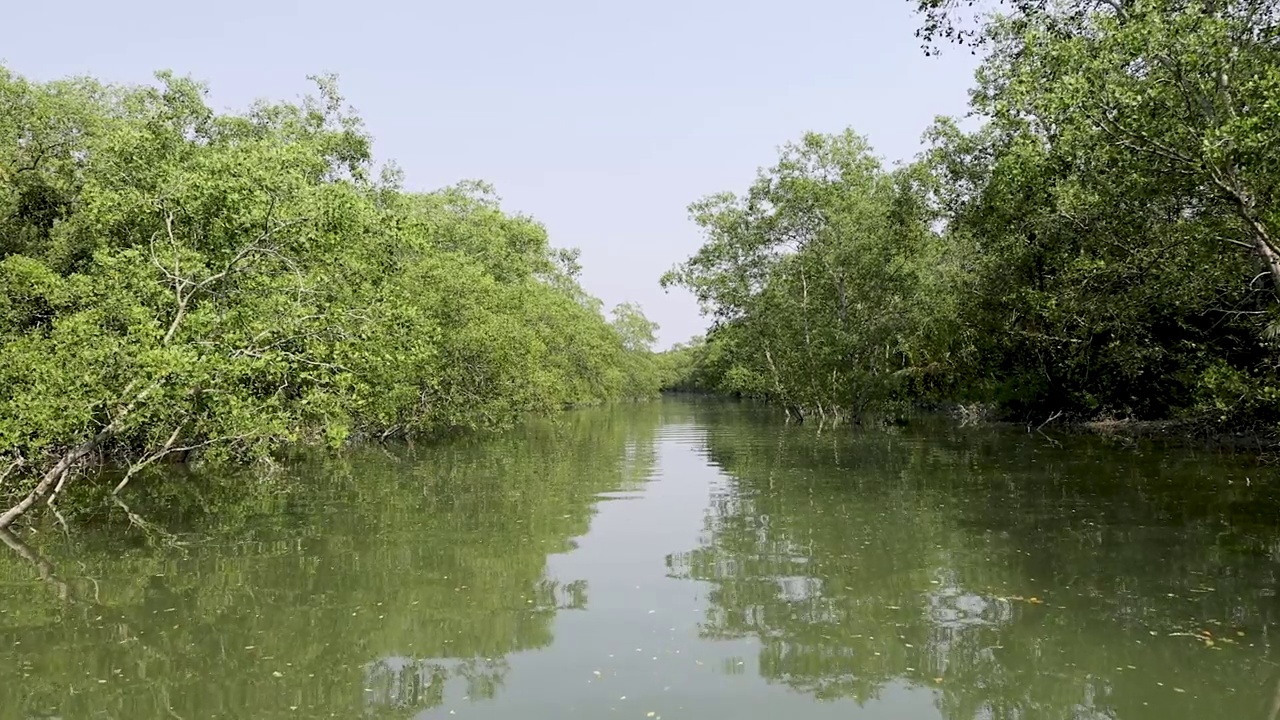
x=685, y=560
x=1012, y=577
x=371, y=585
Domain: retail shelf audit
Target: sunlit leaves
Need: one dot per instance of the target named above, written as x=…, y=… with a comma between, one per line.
x=250, y=273
x=814, y=278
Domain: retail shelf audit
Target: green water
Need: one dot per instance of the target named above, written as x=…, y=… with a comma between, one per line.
x=675, y=560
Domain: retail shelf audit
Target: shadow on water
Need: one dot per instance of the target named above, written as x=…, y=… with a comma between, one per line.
x=368, y=585
x=1015, y=575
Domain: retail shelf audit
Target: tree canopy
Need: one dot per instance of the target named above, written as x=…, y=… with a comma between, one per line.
x=1102, y=246
x=176, y=281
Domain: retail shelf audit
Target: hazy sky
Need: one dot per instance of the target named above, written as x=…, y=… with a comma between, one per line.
x=604, y=120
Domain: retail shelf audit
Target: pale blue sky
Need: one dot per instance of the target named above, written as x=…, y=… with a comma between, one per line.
x=602, y=120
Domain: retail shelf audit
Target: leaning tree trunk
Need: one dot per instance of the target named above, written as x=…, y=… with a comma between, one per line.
x=69, y=461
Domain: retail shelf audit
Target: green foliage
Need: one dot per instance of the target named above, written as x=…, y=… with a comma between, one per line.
x=174, y=280
x=1103, y=247
x=1125, y=189
x=686, y=367
x=818, y=280
x=641, y=372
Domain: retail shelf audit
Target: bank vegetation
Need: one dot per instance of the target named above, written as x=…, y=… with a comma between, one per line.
x=1096, y=241
x=180, y=285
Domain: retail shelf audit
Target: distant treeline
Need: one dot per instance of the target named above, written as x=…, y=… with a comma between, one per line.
x=1104, y=246
x=179, y=283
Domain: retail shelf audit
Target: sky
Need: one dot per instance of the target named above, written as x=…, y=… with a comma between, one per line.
x=602, y=120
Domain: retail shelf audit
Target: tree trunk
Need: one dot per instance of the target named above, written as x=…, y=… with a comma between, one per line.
x=844, y=303
x=1228, y=179
x=804, y=306
x=1265, y=250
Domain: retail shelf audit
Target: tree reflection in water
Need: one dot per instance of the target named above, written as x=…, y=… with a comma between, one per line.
x=358, y=585
x=1016, y=578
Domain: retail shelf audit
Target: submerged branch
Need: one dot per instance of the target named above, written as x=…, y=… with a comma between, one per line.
x=42, y=566
x=147, y=526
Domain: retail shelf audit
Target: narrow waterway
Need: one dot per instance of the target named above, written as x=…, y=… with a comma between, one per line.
x=673, y=560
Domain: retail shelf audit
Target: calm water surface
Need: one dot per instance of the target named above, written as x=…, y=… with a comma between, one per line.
x=674, y=560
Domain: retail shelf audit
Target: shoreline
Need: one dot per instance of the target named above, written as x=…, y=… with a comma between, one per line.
x=1199, y=432
x=1180, y=433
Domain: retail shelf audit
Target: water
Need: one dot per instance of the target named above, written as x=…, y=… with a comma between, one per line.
x=674, y=560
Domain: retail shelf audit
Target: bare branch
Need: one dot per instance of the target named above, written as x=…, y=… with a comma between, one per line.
x=73, y=456
x=173, y=241
x=1236, y=242
x=169, y=449
x=254, y=247
x=145, y=525
x=292, y=356
x=155, y=260
x=185, y=288
x=17, y=463
x=164, y=450
x=1127, y=138
x=58, y=488
x=1115, y=5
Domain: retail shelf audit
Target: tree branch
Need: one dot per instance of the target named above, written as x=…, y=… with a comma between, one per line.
x=17, y=463
x=135, y=467
x=73, y=456
x=186, y=288
x=1151, y=146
